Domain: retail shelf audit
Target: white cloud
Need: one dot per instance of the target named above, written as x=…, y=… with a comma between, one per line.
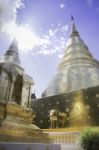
x=53, y=42
x=62, y=6
x=8, y=11
x=64, y=28
x=60, y=56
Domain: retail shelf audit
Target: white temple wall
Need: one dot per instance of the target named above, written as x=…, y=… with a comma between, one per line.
x=26, y=94
x=4, y=80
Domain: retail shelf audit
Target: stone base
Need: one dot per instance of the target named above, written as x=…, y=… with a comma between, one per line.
x=17, y=126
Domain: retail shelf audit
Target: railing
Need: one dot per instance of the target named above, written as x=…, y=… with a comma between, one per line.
x=64, y=137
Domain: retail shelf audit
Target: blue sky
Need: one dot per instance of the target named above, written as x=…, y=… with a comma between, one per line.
x=45, y=26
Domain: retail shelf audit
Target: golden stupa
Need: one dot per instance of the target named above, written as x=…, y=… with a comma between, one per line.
x=77, y=69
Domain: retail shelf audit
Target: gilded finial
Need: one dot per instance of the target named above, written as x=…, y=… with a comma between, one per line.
x=72, y=18
x=74, y=32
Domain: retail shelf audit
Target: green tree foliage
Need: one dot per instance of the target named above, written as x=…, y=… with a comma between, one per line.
x=89, y=139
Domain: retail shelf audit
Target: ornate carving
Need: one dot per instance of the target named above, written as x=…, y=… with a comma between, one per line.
x=57, y=118
x=53, y=115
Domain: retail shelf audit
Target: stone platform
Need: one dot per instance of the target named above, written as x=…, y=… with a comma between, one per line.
x=16, y=125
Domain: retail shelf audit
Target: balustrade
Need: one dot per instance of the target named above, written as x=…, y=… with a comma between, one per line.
x=64, y=137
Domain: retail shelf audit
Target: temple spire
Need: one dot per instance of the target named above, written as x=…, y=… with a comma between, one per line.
x=13, y=48
x=74, y=31
x=13, y=52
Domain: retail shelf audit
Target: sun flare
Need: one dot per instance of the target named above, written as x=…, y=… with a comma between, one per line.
x=26, y=38
x=24, y=35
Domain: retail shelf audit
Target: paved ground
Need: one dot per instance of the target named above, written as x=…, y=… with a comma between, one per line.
x=35, y=146
x=70, y=147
